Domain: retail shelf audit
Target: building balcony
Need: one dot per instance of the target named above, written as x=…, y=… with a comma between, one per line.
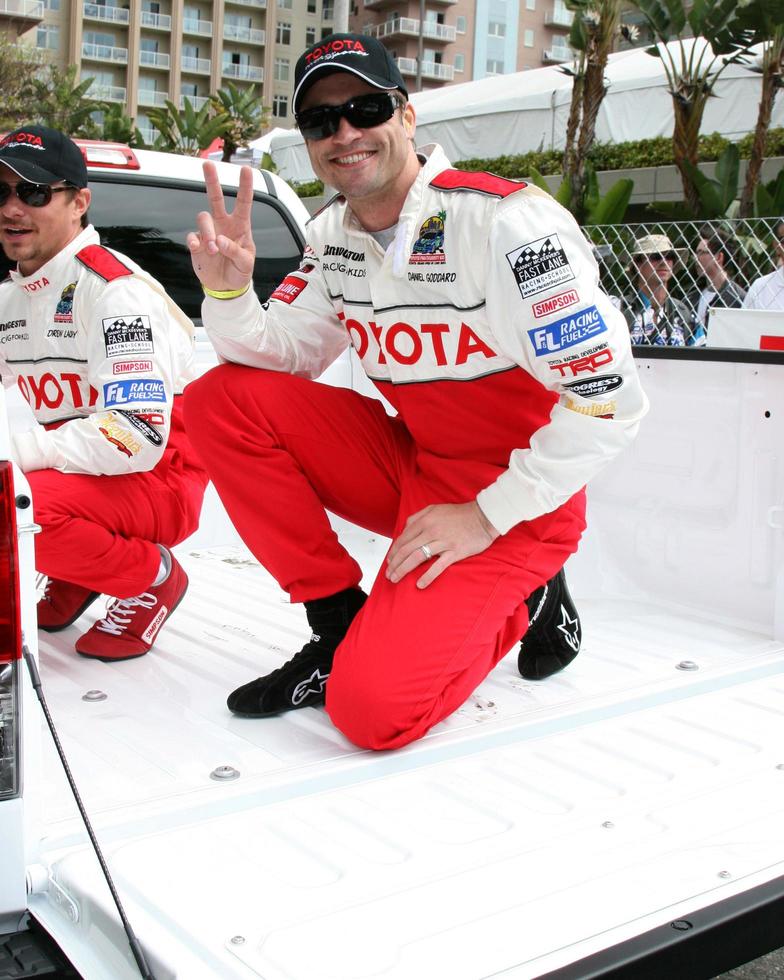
x=148, y=134
x=22, y=14
x=201, y=27
x=557, y=54
x=104, y=52
x=150, y=97
x=408, y=27
x=107, y=93
x=245, y=35
x=202, y=66
x=156, y=22
x=197, y=101
x=112, y=15
x=258, y=4
x=558, y=17
x=430, y=69
x=154, y=59
x=247, y=73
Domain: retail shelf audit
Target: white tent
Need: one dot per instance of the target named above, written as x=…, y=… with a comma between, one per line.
x=528, y=110
x=255, y=150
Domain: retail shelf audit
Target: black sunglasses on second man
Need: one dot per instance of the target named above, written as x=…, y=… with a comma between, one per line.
x=363, y=112
x=34, y=195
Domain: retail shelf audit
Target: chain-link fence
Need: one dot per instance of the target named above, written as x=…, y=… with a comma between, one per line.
x=666, y=276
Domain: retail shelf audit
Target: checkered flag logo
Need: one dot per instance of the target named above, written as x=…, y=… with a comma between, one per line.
x=529, y=255
x=121, y=324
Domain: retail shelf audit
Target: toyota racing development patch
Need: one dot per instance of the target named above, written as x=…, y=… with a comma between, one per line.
x=127, y=335
x=539, y=265
x=126, y=392
x=568, y=332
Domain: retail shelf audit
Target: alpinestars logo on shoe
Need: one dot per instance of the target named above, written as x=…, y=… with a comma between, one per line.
x=312, y=685
x=570, y=629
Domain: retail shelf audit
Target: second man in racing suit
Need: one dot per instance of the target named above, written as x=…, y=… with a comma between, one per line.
x=101, y=354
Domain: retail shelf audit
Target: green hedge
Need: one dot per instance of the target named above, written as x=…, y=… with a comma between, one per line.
x=621, y=156
x=604, y=156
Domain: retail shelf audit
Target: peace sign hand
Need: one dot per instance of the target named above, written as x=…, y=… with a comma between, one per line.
x=223, y=251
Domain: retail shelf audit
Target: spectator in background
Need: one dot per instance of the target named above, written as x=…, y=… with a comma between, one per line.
x=653, y=316
x=714, y=256
x=767, y=292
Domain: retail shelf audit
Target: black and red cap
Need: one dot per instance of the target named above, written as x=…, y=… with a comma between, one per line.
x=361, y=55
x=43, y=156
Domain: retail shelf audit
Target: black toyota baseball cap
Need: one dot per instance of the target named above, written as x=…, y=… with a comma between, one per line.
x=359, y=54
x=43, y=156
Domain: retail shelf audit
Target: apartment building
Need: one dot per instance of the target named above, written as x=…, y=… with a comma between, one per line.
x=142, y=52
x=464, y=40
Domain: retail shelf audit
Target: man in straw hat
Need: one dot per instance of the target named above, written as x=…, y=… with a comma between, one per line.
x=653, y=316
x=473, y=304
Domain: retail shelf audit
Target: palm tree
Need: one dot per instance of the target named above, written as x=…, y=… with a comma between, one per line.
x=188, y=131
x=693, y=66
x=594, y=32
x=248, y=116
x=120, y=128
x=764, y=20
x=63, y=103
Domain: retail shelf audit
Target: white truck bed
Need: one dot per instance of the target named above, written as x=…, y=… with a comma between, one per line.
x=541, y=823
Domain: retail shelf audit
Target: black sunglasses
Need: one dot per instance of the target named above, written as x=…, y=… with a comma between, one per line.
x=34, y=195
x=363, y=112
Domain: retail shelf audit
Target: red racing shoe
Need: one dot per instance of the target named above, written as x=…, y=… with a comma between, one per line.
x=130, y=626
x=62, y=604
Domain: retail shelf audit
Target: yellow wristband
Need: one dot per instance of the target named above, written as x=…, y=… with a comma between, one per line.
x=226, y=293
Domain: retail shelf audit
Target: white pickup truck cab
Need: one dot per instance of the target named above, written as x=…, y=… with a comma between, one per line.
x=623, y=819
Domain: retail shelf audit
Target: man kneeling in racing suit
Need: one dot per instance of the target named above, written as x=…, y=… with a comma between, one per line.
x=473, y=304
x=101, y=354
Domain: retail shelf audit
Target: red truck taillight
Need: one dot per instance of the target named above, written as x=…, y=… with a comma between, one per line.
x=10, y=638
x=10, y=626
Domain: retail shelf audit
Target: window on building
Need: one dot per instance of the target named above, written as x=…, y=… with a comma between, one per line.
x=52, y=4
x=310, y=36
x=189, y=50
x=325, y=32
x=496, y=29
x=149, y=44
x=461, y=25
x=285, y=4
x=98, y=37
x=48, y=36
x=190, y=89
x=530, y=4
x=283, y=33
x=282, y=69
x=151, y=6
x=150, y=84
x=528, y=38
x=328, y=11
x=280, y=106
x=459, y=62
x=311, y=6
x=495, y=66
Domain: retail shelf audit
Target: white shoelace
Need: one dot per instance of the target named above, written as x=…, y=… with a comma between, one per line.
x=120, y=613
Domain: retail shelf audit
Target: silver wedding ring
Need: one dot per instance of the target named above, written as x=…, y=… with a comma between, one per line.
x=426, y=552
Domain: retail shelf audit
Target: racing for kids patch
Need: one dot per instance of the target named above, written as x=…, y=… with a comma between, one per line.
x=127, y=335
x=136, y=390
x=539, y=265
x=572, y=330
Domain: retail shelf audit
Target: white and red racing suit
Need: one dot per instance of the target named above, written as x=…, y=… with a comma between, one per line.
x=483, y=324
x=102, y=355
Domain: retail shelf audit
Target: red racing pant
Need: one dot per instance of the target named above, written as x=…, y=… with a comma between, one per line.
x=281, y=451
x=102, y=532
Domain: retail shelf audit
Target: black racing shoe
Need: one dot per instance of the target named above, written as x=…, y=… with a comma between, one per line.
x=301, y=682
x=554, y=633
